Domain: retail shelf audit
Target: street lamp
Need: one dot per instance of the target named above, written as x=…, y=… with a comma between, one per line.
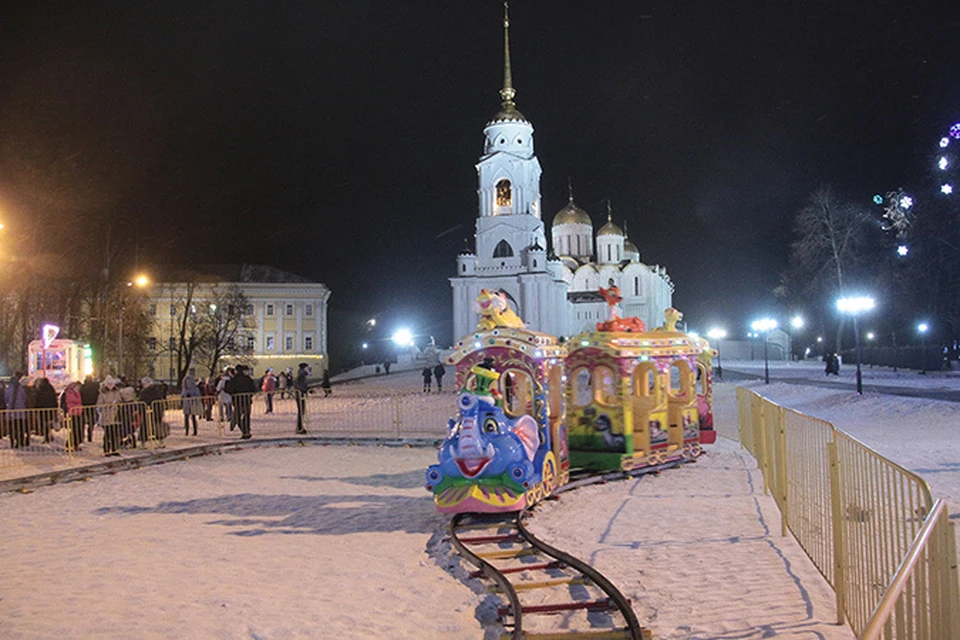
x=765, y=326
x=922, y=329
x=718, y=335
x=854, y=307
x=140, y=282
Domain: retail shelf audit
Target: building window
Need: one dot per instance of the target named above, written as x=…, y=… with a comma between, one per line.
x=503, y=250
x=308, y=343
x=308, y=309
x=173, y=310
x=288, y=343
x=152, y=344
x=230, y=345
x=270, y=343
x=153, y=309
x=170, y=344
x=636, y=286
x=251, y=342
x=269, y=309
x=231, y=310
x=504, y=194
x=248, y=310
x=288, y=310
x=193, y=309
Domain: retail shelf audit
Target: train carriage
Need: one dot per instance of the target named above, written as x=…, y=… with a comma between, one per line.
x=632, y=398
x=506, y=449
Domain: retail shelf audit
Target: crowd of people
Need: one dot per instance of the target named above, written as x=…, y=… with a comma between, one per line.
x=128, y=412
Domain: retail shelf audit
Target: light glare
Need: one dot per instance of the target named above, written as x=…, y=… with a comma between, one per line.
x=855, y=305
x=402, y=338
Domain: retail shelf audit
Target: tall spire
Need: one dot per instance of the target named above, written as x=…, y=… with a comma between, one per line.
x=570, y=188
x=609, y=211
x=507, y=93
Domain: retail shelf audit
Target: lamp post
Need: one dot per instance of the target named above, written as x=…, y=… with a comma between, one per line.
x=140, y=281
x=854, y=307
x=922, y=329
x=718, y=335
x=765, y=326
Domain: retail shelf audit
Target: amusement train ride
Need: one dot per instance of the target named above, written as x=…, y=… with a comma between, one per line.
x=533, y=409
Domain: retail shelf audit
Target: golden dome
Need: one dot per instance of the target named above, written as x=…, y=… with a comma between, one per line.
x=610, y=229
x=629, y=247
x=572, y=214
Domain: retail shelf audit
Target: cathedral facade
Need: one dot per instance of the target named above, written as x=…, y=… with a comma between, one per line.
x=554, y=292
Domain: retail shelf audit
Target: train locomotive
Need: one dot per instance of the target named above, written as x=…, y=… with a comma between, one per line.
x=531, y=408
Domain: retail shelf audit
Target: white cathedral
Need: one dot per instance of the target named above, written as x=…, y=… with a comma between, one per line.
x=554, y=293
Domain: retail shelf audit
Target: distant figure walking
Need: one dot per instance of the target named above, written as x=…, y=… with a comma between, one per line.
x=833, y=364
x=15, y=398
x=427, y=378
x=386, y=366
x=89, y=391
x=242, y=389
x=325, y=384
x=301, y=389
x=438, y=372
x=192, y=404
x=269, y=387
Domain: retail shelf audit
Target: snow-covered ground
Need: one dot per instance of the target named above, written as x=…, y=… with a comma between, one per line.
x=343, y=541
x=813, y=370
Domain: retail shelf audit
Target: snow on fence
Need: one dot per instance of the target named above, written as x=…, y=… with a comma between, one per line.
x=869, y=525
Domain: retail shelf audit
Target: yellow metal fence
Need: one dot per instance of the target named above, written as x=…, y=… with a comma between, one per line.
x=869, y=525
x=40, y=437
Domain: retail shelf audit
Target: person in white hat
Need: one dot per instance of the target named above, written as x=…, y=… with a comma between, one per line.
x=107, y=402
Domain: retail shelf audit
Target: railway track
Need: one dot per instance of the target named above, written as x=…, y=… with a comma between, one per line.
x=538, y=580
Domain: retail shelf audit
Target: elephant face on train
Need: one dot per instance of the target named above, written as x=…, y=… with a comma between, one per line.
x=484, y=442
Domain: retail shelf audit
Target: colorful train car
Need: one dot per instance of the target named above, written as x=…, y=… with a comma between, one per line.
x=506, y=449
x=632, y=397
x=705, y=355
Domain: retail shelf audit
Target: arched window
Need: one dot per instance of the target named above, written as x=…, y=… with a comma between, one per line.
x=503, y=250
x=504, y=194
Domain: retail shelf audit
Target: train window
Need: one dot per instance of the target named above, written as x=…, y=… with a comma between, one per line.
x=645, y=380
x=606, y=390
x=517, y=389
x=681, y=378
x=555, y=392
x=582, y=394
x=701, y=379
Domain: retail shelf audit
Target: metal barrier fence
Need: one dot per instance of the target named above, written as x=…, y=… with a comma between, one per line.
x=45, y=438
x=860, y=518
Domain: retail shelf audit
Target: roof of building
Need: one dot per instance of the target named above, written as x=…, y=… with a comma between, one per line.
x=572, y=214
x=254, y=273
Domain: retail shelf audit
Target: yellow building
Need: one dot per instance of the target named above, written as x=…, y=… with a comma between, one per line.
x=284, y=321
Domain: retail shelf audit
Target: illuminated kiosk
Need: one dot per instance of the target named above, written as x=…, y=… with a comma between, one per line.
x=59, y=361
x=632, y=396
x=506, y=449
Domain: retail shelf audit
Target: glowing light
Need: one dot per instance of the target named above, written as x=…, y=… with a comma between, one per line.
x=402, y=338
x=716, y=334
x=903, y=250
x=796, y=322
x=49, y=334
x=871, y=335
x=923, y=327
x=878, y=199
x=764, y=325
x=819, y=338
x=944, y=141
x=906, y=202
x=806, y=352
x=693, y=334
x=955, y=131
x=946, y=189
x=943, y=163
x=855, y=305
x=365, y=345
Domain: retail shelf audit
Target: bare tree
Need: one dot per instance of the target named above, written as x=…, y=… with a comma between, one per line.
x=829, y=242
x=227, y=323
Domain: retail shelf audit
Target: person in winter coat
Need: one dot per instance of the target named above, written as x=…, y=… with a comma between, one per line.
x=209, y=396
x=427, y=377
x=152, y=426
x=109, y=401
x=301, y=389
x=269, y=387
x=192, y=404
x=242, y=389
x=224, y=399
x=72, y=404
x=45, y=397
x=89, y=391
x=325, y=383
x=128, y=416
x=438, y=372
x=15, y=397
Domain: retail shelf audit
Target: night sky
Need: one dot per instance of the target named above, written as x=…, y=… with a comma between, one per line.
x=338, y=139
